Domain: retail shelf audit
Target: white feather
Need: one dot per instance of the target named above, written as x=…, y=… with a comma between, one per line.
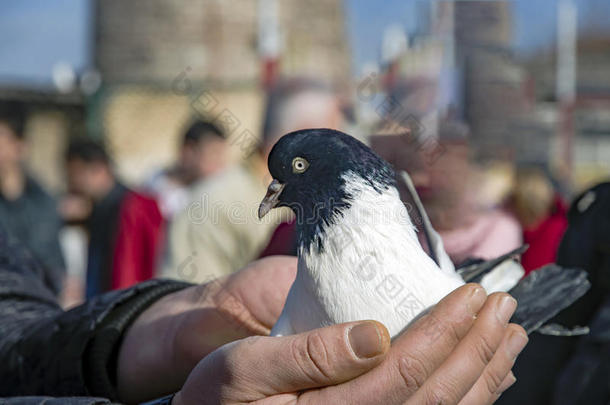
x=371, y=266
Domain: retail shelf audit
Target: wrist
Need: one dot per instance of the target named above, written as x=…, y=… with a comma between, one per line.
x=166, y=342
x=145, y=358
x=100, y=358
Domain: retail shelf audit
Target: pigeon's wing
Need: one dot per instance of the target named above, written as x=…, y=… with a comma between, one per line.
x=418, y=214
x=475, y=272
x=545, y=292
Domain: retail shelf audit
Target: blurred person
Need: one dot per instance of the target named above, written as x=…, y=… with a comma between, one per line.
x=447, y=183
x=125, y=227
x=542, y=214
x=162, y=337
x=204, y=152
x=586, y=245
x=27, y=211
x=75, y=210
x=73, y=240
x=220, y=231
x=572, y=370
x=496, y=181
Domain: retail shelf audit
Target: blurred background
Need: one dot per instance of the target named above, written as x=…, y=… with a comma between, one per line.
x=112, y=69
x=528, y=81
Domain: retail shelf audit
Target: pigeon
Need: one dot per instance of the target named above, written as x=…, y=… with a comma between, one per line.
x=359, y=255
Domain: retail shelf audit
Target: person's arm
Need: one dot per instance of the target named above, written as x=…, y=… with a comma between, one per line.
x=153, y=343
x=465, y=343
x=45, y=351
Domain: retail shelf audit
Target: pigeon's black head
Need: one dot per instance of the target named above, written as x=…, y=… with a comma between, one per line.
x=309, y=169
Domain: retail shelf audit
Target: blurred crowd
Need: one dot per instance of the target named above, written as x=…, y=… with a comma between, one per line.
x=196, y=220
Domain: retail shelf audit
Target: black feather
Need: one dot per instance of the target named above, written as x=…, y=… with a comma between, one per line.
x=318, y=196
x=545, y=292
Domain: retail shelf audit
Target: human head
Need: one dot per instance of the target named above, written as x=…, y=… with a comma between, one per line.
x=12, y=145
x=204, y=151
x=88, y=168
x=296, y=104
x=533, y=196
x=439, y=166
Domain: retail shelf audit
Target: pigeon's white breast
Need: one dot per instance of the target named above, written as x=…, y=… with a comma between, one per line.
x=371, y=266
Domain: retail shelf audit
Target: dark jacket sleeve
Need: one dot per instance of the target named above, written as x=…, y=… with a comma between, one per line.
x=45, y=351
x=55, y=401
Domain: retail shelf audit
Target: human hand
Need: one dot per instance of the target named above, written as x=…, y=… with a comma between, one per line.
x=167, y=340
x=461, y=352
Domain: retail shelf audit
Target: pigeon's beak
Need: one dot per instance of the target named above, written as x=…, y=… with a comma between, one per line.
x=271, y=199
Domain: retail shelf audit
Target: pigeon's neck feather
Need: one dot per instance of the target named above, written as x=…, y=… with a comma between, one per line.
x=376, y=222
x=372, y=244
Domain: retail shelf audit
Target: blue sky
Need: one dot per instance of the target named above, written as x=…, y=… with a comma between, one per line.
x=534, y=22
x=36, y=34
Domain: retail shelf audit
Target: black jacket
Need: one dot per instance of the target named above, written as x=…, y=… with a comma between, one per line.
x=33, y=219
x=548, y=367
x=46, y=352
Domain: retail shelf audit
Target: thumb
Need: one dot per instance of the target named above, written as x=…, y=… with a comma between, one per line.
x=259, y=367
x=321, y=357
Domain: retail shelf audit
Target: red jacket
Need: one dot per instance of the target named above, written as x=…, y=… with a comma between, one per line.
x=138, y=241
x=544, y=238
x=283, y=240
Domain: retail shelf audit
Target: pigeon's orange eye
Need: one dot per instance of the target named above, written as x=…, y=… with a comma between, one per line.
x=299, y=165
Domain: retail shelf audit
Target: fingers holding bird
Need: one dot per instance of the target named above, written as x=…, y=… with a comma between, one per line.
x=494, y=380
x=459, y=352
x=476, y=368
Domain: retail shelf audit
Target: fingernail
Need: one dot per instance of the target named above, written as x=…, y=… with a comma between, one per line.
x=516, y=343
x=506, y=308
x=366, y=340
x=476, y=300
x=507, y=383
